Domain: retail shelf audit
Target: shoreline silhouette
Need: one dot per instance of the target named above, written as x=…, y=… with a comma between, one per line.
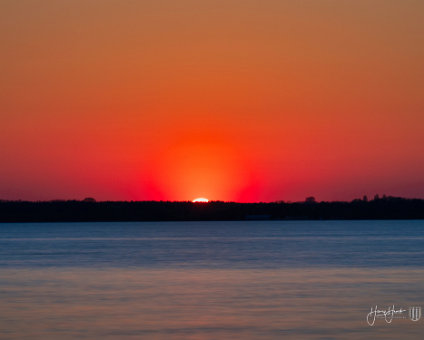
x=90, y=210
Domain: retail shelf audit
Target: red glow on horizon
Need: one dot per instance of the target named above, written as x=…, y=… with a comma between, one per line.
x=211, y=165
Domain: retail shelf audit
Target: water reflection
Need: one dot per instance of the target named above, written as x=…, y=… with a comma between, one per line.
x=321, y=303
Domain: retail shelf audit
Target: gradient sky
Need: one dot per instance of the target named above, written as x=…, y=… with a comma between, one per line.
x=230, y=100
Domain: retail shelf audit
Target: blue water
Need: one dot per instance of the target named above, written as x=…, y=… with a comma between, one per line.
x=210, y=280
x=252, y=244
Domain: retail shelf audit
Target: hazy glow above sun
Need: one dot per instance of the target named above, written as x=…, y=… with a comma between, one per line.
x=201, y=200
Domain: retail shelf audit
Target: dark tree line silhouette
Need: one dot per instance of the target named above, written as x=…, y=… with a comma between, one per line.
x=90, y=210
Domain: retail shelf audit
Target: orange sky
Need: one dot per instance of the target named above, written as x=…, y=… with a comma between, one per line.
x=231, y=100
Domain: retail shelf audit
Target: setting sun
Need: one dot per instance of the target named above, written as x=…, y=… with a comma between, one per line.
x=201, y=200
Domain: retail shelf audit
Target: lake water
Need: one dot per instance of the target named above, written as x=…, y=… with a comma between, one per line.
x=210, y=280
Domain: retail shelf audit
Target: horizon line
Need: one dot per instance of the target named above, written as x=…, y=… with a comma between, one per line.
x=310, y=199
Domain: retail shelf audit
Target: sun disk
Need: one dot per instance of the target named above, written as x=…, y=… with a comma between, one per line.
x=201, y=200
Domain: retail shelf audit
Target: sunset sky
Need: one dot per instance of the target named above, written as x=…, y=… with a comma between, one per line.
x=229, y=100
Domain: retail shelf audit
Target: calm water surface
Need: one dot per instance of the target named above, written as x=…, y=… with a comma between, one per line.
x=210, y=280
